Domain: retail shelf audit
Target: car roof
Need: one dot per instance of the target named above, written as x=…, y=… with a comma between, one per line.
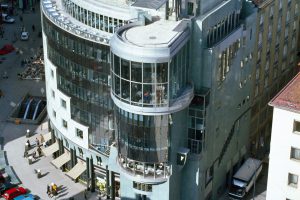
x=25, y=197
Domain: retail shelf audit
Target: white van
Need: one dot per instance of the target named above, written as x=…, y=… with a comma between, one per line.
x=244, y=178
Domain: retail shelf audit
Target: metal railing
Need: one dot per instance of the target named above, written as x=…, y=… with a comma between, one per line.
x=53, y=14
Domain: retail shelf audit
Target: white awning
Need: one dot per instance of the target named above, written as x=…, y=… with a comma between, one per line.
x=47, y=136
x=51, y=149
x=77, y=170
x=61, y=160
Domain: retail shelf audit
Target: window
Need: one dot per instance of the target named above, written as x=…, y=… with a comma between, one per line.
x=285, y=50
x=261, y=21
x=52, y=73
x=295, y=153
x=79, y=133
x=288, y=16
x=63, y=103
x=296, y=126
x=53, y=94
x=142, y=186
x=271, y=11
x=293, y=180
x=67, y=143
x=54, y=114
x=80, y=152
x=190, y=8
x=99, y=160
x=65, y=123
x=280, y=4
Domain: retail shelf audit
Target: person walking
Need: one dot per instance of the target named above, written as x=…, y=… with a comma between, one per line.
x=21, y=18
x=48, y=191
x=42, y=138
x=39, y=150
x=37, y=142
x=33, y=28
x=34, y=155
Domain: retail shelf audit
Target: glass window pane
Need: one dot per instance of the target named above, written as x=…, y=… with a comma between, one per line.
x=117, y=65
x=125, y=88
x=136, y=92
x=162, y=72
x=149, y=73
x=125, y=69
x=136, y=71
x=148, y=95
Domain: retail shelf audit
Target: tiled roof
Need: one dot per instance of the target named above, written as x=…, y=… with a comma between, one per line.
x=289, y=97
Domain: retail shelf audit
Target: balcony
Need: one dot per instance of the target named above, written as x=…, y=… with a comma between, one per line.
x=54, y=12
x=180, y=102
x=144, y=172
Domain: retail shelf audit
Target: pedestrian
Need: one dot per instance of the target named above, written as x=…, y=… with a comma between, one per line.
x=25, y=154
x=48, y=191
x=28, y=143
x=34, y=155
x=1, y=93
x=21, y=18
x=33, y=28
x=54, y=189
x=85, y=194
x=37, y=142
x=42, y=138
x=39, y=150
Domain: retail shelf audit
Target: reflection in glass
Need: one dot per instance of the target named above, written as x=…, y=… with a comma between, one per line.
x=136, y=92
x=162, y=72
x=147, y=93
x=117, y=65
x=125, y=88
x=149, y=73
x=136, y=72
x=125, y=69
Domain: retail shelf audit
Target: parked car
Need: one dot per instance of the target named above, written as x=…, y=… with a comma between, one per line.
x=25, y=197
x=7, y=19
x=24, y=35
x=6, y=49
x=5, y=186
x=14, y=192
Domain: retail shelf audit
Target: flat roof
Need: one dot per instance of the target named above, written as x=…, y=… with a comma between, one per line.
x=247, y=170
x=158, y=34
x=153, y=4
x=289, y=97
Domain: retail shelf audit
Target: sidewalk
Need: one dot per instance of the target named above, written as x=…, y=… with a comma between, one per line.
x=25, y=172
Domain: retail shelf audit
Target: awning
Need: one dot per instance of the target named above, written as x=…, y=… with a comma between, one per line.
x=61, y=160
x=51, y=149
x=47, y=136
x=77, y=170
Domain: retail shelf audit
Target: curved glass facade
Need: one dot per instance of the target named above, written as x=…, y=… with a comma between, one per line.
x=143, y=138
x=95, y=20
x=83, y=70
x=150, y=84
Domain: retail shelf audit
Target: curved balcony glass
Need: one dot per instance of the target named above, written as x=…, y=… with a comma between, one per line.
x=154, y=88
x=144, y=172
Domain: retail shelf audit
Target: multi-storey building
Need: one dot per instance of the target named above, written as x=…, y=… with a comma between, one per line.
x=283, y=182
x=149, y=99
x=275, y=58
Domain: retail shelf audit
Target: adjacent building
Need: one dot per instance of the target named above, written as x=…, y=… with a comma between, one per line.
x=283, y=182
x=151, y=99
x=275, y=59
